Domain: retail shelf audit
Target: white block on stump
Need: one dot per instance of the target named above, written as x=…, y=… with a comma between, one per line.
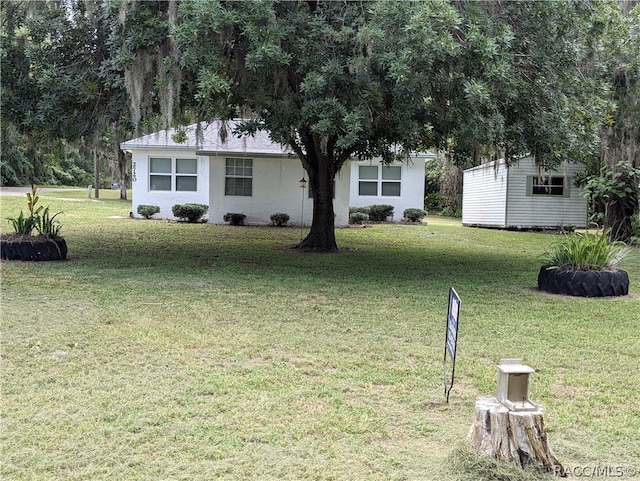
x=509, y=435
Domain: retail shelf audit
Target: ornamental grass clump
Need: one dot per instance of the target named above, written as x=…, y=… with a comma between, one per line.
x=585, y=252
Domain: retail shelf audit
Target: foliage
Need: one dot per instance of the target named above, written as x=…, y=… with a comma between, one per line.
x=364, y=210
x=60, y=95
x=414, y=215
x=433, y=202
x=452, y=212
x=189, y=212
x=279, y=219
x=616, y=188
x=380, y=212
x=585, y=251
x=147, y=211
x=234, y=218
x=23, y=225
x=45, y=224
x=358, y=217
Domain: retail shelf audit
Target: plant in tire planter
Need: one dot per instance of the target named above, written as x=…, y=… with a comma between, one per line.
x=583, y=264
x=23, y=245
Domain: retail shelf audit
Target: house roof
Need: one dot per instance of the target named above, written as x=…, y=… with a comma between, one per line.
x=209, y=141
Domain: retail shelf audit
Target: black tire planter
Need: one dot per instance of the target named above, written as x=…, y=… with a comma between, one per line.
x=605, y=283
x=25, y=248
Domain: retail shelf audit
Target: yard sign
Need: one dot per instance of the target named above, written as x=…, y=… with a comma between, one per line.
x=451, y=339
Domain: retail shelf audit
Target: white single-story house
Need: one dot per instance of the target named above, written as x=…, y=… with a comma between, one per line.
x=257, y=177
x=523, y=196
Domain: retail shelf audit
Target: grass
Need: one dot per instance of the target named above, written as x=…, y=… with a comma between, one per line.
x=163, y=350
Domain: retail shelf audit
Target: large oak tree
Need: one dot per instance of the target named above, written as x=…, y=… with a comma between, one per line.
x=336, y=80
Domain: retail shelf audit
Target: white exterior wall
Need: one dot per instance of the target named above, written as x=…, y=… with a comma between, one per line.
x=411, y=190
x=275, y=189
x=484, y=196
x=141, y=195
x=544, y=211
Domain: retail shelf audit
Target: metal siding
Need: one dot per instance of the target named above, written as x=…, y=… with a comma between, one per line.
x=543, y=211
x=484, y=196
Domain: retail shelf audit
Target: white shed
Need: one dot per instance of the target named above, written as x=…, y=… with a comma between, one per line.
x=523, y=196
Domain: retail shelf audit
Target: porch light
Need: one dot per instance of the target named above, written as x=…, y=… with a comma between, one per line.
x=303, y=183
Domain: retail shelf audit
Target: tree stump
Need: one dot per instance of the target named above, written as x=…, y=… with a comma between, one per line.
x=507, y=435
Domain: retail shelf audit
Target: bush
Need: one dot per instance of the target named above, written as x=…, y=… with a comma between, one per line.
x=364, y=210
x=190, y=212
x=359, y=218
x=414, y=215
x=279, y=219
x=234, y=219
x=433, y=202
x=585, y=252
x=147, y=211
x=380, y=212
x=452, y=212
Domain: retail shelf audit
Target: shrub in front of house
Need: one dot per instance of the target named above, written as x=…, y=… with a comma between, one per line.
x=358, y=218
x=380, y=212
x=365, y=210
x=279, y=219
x=147, y=211
x=234, y=218
x=414, y=215
x=189, y=212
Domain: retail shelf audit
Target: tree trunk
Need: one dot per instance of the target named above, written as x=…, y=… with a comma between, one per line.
x=122, y=171
x=96, y=173
x=517, y=436
x=322, y=236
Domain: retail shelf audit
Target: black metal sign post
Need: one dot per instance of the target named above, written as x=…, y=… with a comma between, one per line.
x=451, y=338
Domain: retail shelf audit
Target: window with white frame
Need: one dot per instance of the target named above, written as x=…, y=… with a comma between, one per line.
x=384, y=181
x=547, y=185
x=173, y=174
x=238, y=178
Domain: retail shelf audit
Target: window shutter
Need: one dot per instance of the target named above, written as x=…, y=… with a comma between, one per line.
x=566, y=191
x=529, y=185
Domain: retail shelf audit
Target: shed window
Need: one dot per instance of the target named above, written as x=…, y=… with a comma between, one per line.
x=547, y=186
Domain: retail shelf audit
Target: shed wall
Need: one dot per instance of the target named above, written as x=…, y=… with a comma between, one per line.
x=544, y=211
x=484, y=196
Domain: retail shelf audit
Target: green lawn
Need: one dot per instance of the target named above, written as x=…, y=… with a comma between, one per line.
x=172, y=351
